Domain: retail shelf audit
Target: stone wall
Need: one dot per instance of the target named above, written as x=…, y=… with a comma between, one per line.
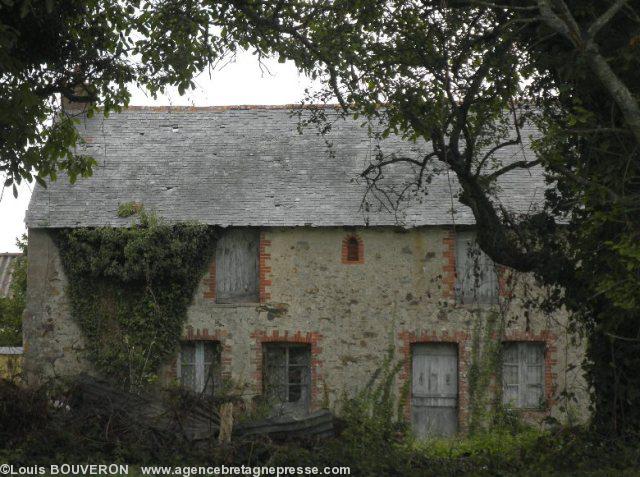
x=399, y=293
x=53, y=343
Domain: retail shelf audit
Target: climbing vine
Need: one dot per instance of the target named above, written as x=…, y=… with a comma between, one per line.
x=129, y=290
x=485, y=367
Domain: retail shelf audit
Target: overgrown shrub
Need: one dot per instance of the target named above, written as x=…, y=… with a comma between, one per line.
x=44, y=426
x=12, y=306
x=130, y=288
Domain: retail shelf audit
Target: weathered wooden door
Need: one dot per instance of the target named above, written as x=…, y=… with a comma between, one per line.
x=434, y=393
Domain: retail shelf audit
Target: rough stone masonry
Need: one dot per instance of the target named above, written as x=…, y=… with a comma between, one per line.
x=340, y=280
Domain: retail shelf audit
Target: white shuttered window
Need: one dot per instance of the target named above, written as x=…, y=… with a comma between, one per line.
x=199, y=366
x=523, y=375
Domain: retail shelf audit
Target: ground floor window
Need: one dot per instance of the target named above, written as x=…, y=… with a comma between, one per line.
x=199, y=366
x=287, y=375
x=523, y=375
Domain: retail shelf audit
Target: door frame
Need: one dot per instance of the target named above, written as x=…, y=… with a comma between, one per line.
x=463, y=341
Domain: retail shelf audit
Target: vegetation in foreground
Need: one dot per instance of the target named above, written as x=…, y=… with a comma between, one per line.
x=36, y=428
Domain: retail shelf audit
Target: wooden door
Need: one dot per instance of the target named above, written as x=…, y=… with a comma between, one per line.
x=434, y=390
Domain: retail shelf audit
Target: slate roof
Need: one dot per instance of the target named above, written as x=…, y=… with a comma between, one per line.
x=249, y=166
x=6, y=271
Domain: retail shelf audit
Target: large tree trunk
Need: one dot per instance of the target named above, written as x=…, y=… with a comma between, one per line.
x=613, y=355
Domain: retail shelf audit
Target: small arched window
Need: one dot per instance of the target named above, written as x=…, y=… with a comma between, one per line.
x=352, y=249
x=353, y=254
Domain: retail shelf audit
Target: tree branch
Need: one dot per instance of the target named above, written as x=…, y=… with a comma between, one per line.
x=603, y=19
x=510, y=167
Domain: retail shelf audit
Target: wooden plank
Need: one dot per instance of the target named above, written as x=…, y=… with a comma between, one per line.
x=434, y=389
x=477, y=277
x=237, y=266
x=197, y=422
x=317, y=424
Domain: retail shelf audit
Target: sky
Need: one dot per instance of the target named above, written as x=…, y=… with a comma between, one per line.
x=240, y=82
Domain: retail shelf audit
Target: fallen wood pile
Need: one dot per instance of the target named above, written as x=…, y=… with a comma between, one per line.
x=317, y=424
x=199, y=420
x=194, y=420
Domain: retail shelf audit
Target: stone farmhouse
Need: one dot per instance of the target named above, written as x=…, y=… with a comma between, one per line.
x=314, y=282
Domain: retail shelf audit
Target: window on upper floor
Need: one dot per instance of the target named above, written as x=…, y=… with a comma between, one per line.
x=287, y=376
x=198, y=366
x=237, y=266
x=352, y=249
x=523, y=375
x=476, y=277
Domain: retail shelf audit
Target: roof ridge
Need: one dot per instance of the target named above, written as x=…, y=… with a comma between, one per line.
x=234, y=107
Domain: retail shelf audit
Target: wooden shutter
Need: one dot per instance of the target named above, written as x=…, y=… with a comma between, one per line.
x=477, y=281
x=511, y=375
x=434, y=390
x=532, y=364
x=523, y=374
x=199, y=366
x=187, y=366
x=237, y=266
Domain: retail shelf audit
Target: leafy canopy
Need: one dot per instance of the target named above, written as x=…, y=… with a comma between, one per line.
x=12, y=306
x=457, y=74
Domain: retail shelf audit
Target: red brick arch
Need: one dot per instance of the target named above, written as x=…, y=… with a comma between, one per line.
x=347, y=257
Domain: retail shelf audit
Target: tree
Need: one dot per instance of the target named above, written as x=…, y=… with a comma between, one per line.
x=458, y=75
x=12, y=306
x=86, y=51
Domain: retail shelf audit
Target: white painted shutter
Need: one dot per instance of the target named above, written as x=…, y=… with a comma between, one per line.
x=477, y=280
x=237, y=266
x=523, y=374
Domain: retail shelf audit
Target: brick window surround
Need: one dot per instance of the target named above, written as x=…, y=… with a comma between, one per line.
x=408, y=339
x=311, y=338
x=204, y=334
x=264, y=273
x=449, y=275
x=549, y=379
x=350, y=254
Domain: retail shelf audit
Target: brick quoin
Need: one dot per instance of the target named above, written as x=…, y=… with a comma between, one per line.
x=449, y=266
x=345, y=250
x=311, y=338
x=461, y=338
x=264, y=270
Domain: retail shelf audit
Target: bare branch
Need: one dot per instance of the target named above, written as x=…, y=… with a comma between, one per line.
x=603, y=19
x=509, y=167
x=502, y=7
x=554, y=22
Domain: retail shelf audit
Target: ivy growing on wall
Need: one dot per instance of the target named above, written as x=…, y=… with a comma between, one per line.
x=486, y=362
x=129, y=290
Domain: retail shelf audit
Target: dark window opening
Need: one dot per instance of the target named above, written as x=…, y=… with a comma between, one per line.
x=353, y=250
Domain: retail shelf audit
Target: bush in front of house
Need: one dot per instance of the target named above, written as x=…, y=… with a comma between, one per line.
x=52, y=426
